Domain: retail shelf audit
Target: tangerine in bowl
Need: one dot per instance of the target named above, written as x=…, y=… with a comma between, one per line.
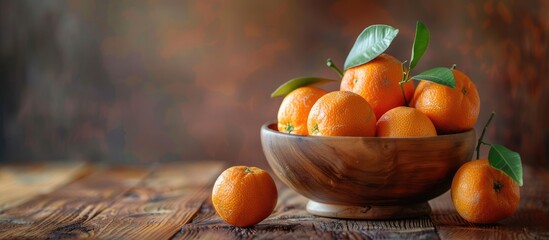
x=366, y=177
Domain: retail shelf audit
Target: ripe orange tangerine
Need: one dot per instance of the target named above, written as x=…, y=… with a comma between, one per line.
x=404, y=122
x=377, y=81
x=341, y=113
x=483, y=194
x=244, y=196
x=451, y=110
x=295, y=108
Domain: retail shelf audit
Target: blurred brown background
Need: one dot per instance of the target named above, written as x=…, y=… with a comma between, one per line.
x=144, y=81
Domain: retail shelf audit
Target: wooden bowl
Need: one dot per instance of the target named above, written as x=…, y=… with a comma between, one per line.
x=367, y=177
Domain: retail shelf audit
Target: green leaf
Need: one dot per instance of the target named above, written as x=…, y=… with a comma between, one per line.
x=440, y=75
x=421, y=41
x=372, y=42
x=295, y=83
x=507, y=161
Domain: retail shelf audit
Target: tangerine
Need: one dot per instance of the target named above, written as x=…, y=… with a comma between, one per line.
x=244, y=196
x=404, y=122
x=341, y=113
x=483, y=194
x=295, y=107
x=451, y=110
x=377, y=81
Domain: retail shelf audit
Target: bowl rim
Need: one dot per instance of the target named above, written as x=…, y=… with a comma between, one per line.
x=266, y=127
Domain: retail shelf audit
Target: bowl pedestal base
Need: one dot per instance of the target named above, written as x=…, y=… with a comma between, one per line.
x=369, y=212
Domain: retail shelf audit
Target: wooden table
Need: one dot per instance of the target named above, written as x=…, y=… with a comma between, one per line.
x=171, y=201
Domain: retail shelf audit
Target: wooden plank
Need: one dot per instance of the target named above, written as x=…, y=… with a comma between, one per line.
x=140, y=203
x=290, y=220
x=531, y=221
x=67, y=207
x=20, y=183
x=157, y=208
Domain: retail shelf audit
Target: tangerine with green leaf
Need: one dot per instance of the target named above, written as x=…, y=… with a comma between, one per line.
x=377, y=81
x=483, y=194
x=452, y=110
x=486, y=191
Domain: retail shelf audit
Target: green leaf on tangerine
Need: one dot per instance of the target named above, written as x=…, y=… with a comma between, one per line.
x=421, y=41
x=372, y=42
x=440, y=75
x=295, y=83
x=507, y=161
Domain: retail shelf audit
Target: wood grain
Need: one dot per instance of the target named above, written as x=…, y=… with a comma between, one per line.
x=66, y=208
x=156, y=208
x=291, y=221
x=20, y=183
x=361, y=171
x=172, y=201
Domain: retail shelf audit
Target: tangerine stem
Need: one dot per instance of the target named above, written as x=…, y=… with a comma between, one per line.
x=403, y=93
x=481, y=139
x=403, y=81
x=331, y=65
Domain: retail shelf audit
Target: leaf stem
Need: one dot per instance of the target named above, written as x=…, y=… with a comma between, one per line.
x=404, y=80
x=331, y=65
x=481, y=139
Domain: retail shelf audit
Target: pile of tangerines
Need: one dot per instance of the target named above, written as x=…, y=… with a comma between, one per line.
x=370, y=103
x=378, y=98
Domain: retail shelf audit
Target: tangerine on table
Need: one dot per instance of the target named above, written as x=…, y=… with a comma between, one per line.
x=377, y=81
x=451, y=110
x=404, y=122
x=244, y=196
x=341, y=113
x=295, y=107
x=483, y=194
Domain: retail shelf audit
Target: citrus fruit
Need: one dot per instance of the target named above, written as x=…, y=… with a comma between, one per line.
x=295, y=107
x=341, y=113
x=451, y=110
x=404, y=122
x=483, y=194
x=244, y=196
x=377, y=82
